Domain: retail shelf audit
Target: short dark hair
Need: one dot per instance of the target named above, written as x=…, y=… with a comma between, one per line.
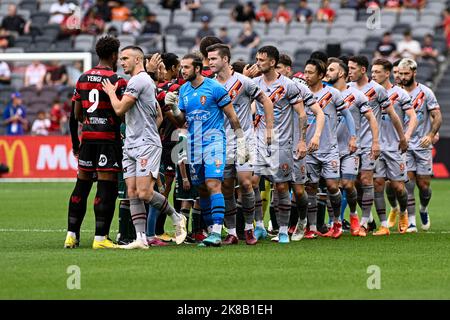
x=361, y=61
x=135, y=48
x=106, y=46
x=196, y=60
x=238, y=66
x=170, y=60
x=321, y=66
x=206, y=42
x=341, y=64
x=387, y=65
x=285, y=59
x=319, y=55
x=222, y=49
x=344, y=59
x=396, y=63
x=271, y=53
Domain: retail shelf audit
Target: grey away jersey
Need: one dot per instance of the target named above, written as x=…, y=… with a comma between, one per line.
x=401, y=101
x=423, y=101
x=140, y=120
x=308, y=100
x=330, y=100
x=284, y=93
x=358, y=105
x=378, y=99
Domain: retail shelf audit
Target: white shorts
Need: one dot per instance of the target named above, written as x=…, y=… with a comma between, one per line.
x=141, y=161
x=420, y=161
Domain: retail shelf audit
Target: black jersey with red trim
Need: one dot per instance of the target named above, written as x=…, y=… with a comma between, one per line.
x=100, y=122
x=206, y=72
x=167, y=127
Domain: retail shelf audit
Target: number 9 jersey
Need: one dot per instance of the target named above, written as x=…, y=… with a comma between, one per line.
x=100, y=122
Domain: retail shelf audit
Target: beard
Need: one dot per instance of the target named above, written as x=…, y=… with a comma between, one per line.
x=332, y=80
x=191, y=77
x=409, y=82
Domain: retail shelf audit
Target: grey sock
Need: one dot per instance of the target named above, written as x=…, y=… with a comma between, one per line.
x=380, y=205
x=425, y=196
x=352, y=200
x=302, y=206
x=335, y=201
x=392, y=197
x=411, y=199
x=160, y=202
x=248, y=206
x=367, y=200
x=284, y=208
x=403, y=200
x=312, y=209
x=230, y=212
x=138, y=215
x=258, y=205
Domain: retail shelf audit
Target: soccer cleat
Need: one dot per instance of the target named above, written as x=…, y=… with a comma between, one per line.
x=362, y=231
x=213, y=240
x=136, y=244
x=322, y=229
x=198, y=236
x=275, y=239
x=337, y=230
x=71, y=242
x=327, y=234
x=393, y=215
x=411, y=228
x=180, y=230
x=230, y=239
x=425, y=218
x=250, y=237
x=372, y=226
x=291, y=230
x=403, y=223
x=299, y=232
x=260, y=233
x=104, y=244
x=354, y=225
x=346, y=226
x=310, y=234
x=155, y=242
x=283, y=238
x=382, y=231
x=165, y=237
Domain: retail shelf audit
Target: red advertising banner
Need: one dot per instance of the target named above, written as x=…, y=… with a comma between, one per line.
x=38, y=157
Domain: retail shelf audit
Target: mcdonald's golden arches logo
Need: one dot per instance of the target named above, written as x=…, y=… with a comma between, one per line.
x=10, y=150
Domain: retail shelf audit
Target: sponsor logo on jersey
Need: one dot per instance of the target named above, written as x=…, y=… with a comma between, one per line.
x=102, y=160
x=198, y=115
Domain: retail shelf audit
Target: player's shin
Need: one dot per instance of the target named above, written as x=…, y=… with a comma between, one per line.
x=104, y=206
x=380, y=206
x=77, y=206
x=217, y=211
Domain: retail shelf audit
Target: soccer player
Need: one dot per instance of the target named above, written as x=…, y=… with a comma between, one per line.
x=300, y=199
x=202, y=104
x=275, y=159
x=419, y=160
x=142, y=148
x=325, y=161
x=100, y=149
x=206, y=42
x=391, y=163
x=378, y=99
x=243, y=91
x=357, y=103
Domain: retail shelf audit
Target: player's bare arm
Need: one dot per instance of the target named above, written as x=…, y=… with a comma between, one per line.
x=436, y=121
x=302, y=122
x=412, y=123
x=320, y=122
x=159, y=116
x=375, y=150
x=268, y=113
x=396, y=122
x=120, y=106
x=78, y=111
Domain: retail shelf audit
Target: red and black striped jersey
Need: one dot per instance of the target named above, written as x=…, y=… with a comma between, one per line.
x=100, y=122
x=206, y=72
x=167, y=127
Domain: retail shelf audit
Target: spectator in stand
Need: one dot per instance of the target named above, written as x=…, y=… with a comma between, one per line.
x=41, y=124
x=119, y=12
x=223, y=36
x=386, y=48
x=15, y=117
x=132, y=26
x=4, y=38
x=170, y=4
x=243, y=13
x=204, y=31
x=92, y=22
x=74, y=72
x=66, y=111
x=5, y=74
x=408, y=47
x=303, y=13
x=283, y=14
x=429, y=52
x=140, y=10
x=35, y=75
x=58, y=10
x=373, y=4
x=191, y=5
x=249, y=38
x=55, y=116
x=71, y=23
x=56, y=75
x=14, y=23
x=415, y=4
x=393, y=5
x=152, y=26
x=353, y=4
x=264, y=14
x=446, y=25
x=325, y=12
x=103, y=10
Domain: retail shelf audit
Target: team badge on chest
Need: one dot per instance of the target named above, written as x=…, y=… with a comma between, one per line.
x=203, y=100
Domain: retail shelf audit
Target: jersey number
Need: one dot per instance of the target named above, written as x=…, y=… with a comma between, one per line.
x=94, y=96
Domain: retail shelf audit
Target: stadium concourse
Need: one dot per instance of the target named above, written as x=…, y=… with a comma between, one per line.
x=364, y=31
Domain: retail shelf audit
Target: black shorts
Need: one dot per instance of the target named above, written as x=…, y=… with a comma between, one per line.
x=180, y=193
x=100, y=157
x=166, y=160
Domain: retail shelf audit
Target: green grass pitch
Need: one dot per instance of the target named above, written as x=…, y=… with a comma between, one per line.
x=34, y=265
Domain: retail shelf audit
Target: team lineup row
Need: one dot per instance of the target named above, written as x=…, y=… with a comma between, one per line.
x=331, y=122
